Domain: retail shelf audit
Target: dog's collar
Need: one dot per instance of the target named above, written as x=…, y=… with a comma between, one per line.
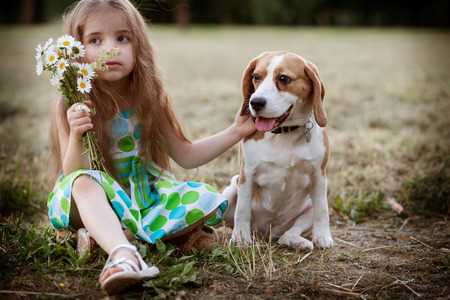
x=285, y=129
x=306, y=129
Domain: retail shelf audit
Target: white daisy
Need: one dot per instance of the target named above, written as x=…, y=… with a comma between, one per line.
x=66, y=41
x=84, y=85
x=55, y=79
x=51, y=56
x=78, y=50
x=40, y=51
x=48, y=43
x=39, y=68
x=61, y=66
x=86, y=71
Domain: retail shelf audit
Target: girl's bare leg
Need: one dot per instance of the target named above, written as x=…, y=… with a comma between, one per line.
x=99, y=218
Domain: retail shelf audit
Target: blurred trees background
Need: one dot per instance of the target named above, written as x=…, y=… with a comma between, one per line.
x=433, y=13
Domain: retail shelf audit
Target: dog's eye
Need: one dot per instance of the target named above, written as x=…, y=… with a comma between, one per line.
x=284, y=79
x=256, y=77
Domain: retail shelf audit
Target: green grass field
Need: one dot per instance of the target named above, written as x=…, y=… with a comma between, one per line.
x=388, y=102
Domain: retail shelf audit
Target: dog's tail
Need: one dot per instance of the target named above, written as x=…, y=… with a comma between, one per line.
x=230, y=193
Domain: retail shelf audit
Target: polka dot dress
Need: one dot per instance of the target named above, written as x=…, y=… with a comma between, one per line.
x=149, y=202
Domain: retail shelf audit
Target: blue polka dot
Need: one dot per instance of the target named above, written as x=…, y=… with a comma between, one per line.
x=178, y=226
x=177, y=212
x=147, y=229
x=64, y=220
x=137, y=131
x=126, y=114
x=194, y=184
x=119, y=127
x=124, y=197
x=66, y=193
x=157, y=235
x=223, y=207
x=208, y=202
x=50, y=211
x=56, y=223
x=118, y=208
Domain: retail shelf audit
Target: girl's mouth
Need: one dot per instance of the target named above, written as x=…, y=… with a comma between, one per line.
x=113, y=63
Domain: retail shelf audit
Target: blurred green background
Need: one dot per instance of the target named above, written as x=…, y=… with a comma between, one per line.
x=432, y=13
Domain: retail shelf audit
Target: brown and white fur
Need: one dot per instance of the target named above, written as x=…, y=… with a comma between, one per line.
x=282, y=186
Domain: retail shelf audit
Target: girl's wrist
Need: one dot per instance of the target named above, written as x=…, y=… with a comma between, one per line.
x=74, y=138
x=236, y=133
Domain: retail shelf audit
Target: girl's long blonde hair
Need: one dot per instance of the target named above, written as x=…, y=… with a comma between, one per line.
x=150, y=100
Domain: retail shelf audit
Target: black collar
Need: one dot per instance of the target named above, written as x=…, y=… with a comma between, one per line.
x=285, y=129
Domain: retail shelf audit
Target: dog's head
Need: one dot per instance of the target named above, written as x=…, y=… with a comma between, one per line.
x=274, y=83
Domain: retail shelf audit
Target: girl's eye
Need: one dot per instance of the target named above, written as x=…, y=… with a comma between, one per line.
x=94, y=41
x=122, y=39
x=284, y=79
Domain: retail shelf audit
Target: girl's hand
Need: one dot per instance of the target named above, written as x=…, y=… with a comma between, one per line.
x=79, y=119
x=244, y=125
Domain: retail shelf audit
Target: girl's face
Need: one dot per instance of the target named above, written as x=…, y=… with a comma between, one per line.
x=105, y=30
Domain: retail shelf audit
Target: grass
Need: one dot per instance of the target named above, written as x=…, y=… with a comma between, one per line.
x=387, y=99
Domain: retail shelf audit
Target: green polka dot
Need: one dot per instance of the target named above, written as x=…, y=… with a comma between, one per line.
x=162, y=184
x=109, y=191
x=163, y=198
x=173, y=201
x=145, y=211
x=108, y=179
x=131, y=225
x=210, y=188
x=158, y=223
x=194, y=215
x=126, y=144
x=65, y=205
x=66, y=179
x=50, y=197
x=135, y=214
x=190, y=197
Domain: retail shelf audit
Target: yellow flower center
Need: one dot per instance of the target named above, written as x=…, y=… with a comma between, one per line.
x=51, y=58
x=82, y=85
x=66, y=43
x=84, y=72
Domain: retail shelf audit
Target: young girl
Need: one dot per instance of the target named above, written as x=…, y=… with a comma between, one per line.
x=137, y=132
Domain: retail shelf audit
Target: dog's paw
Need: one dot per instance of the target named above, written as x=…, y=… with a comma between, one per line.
x=323, y=240
x=295, y=241
x=241, y=237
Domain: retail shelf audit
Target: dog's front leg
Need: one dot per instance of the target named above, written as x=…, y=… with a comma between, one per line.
x=321, y=220
x=292, y=237
x=242, y=217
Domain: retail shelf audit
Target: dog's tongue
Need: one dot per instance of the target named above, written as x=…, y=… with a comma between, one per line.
x=265, y=124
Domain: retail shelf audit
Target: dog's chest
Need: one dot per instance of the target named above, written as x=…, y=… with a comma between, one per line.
x=280, y=167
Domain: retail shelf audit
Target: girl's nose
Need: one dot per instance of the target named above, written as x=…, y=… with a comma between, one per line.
x=109, y=44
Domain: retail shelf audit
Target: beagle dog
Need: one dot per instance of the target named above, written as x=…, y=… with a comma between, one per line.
x=282, y=186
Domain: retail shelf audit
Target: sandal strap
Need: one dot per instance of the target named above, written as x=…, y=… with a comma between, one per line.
x=121, y=262
x=125, y=264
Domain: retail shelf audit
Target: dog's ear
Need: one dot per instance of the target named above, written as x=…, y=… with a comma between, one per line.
x=247, y=86
x=318, y=94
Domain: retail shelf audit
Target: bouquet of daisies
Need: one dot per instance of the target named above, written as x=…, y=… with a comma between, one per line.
x=73, y=79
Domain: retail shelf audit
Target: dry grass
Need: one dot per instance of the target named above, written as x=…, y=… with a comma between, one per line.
x=387, y=99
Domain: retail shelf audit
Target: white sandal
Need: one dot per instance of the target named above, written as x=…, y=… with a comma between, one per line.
x=131, y=272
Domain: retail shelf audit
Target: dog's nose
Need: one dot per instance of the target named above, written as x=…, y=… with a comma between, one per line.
x=258, y=103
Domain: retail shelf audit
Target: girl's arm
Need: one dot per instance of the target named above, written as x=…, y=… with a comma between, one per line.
x=192, y=155
x=70, y=133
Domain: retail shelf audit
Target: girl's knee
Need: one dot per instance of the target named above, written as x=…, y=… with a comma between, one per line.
x=85, y=184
